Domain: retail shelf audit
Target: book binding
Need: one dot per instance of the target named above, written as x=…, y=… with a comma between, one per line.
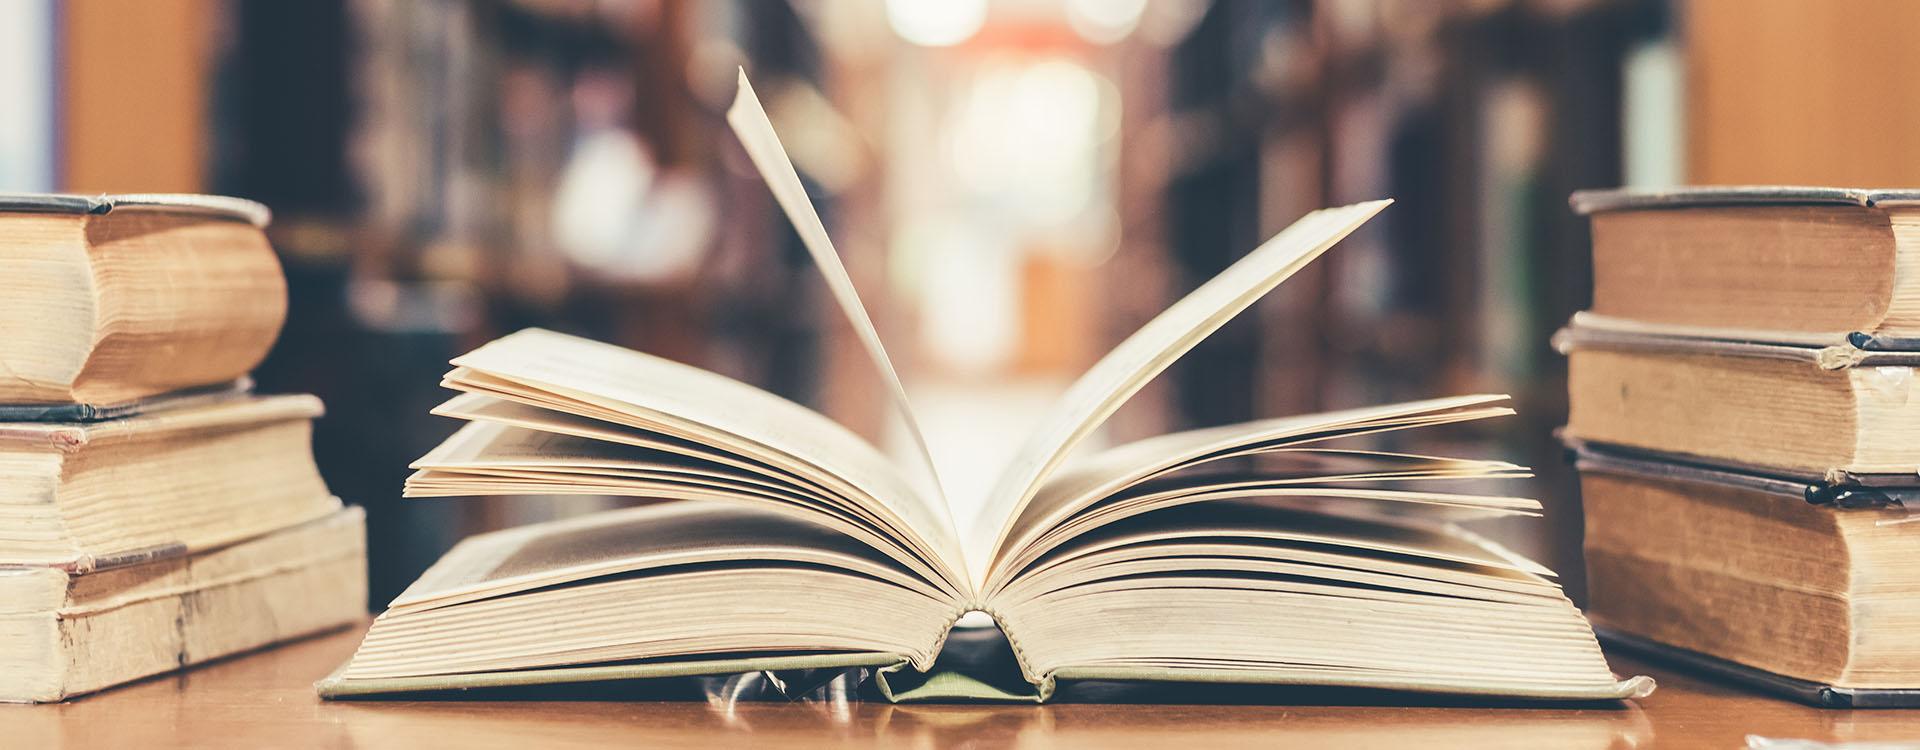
x=1828, y=352
x=216, y=206
x=70, y=412
x=1589, y=202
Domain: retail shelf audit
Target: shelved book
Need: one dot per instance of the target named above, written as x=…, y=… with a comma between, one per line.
x=1265, y=552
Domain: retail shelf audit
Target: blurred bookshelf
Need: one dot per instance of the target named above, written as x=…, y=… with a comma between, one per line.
x=446, y=172
x=1480, y=117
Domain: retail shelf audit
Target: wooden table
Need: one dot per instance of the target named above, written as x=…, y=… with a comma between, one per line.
x=266, y=700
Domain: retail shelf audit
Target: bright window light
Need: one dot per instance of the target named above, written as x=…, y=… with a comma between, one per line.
x=1104, y=21
x=936, y=23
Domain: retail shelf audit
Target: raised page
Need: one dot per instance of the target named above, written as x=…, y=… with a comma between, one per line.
x=749, y=122
x=1120, y=374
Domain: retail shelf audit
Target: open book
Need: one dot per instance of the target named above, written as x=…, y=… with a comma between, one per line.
x=1260, y=552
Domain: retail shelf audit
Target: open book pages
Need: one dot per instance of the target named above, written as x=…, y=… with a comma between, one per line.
x=1277, y=551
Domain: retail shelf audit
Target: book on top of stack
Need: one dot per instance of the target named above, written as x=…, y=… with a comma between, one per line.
x=154, y=512
x=1746, y=422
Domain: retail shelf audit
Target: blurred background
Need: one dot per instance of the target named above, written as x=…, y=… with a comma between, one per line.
x=1016, y=184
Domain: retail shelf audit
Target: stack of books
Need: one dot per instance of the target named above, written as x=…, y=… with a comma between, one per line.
x=153, y=512
x=1746, y=420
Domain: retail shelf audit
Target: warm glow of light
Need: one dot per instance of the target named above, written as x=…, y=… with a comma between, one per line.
x=1029, y=134
x=1104, y=21
x=1165, y=22
x=936, y=23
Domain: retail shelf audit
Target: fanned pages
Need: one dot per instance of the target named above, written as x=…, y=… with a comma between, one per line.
x=665, y=402
x=1128, y=368
x=749, y=122
x=1293, y=550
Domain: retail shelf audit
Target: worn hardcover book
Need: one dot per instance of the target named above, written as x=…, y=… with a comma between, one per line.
x=83, y=496
x=1834, y=409
x=1278, y=551
x=1789, y=582
x=63, y=634
x=117, y=298
x=1789, y=264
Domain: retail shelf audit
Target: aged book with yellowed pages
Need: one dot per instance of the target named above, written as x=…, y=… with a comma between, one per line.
x=173, y=481
x=71, y=634
x=115, y=298
x=1280, y=551
x=1790, y=583
x=1786, y=264
x=1838, y=409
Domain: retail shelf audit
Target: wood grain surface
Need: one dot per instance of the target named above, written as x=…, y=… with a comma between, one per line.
x=266, y=700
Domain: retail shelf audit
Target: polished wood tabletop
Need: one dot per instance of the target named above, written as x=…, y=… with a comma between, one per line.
x=266, y=699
